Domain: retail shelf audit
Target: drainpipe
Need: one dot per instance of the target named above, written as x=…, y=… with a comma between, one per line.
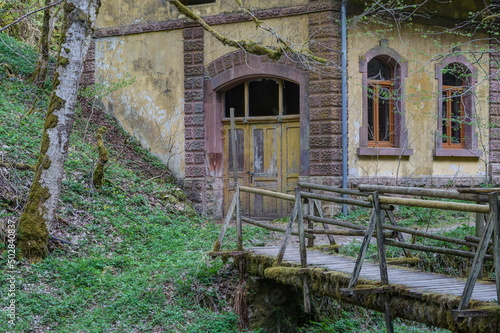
x=343, y=23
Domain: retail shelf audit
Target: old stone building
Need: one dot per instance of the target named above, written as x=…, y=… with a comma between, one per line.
x=421, y=95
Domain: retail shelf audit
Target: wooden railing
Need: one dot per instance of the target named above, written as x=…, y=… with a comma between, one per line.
x=307, y=209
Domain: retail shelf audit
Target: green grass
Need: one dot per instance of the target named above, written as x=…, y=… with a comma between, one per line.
x=139, y=261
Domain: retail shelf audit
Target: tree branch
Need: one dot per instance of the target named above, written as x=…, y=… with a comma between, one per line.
x=29, y=14
x=19, y=166
x=247, y=45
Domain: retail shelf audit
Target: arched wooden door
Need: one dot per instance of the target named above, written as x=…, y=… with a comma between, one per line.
x=268, y=144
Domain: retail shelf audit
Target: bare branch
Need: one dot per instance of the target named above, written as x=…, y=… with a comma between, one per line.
x=247, y=45
x=29, y=14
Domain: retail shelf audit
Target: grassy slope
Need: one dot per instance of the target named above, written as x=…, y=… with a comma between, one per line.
x=139, y=262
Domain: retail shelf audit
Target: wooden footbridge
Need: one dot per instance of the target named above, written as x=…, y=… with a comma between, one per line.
x=454, y=303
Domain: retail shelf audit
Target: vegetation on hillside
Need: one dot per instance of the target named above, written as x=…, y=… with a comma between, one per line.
x=130, y=257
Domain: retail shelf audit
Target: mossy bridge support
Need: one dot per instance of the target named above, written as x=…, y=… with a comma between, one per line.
x=460, y=305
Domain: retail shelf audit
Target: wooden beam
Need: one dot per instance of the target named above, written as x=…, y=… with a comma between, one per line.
x=362, y=251
x=399, y=234
x=333, y=189
x=384, y=277
x=268, y=193
x=229, y=216
x=477, y=263
x=386, y=234
x=426, y=192
x=446, y=205
x=434, y=249
x=319, y=209
x=331, y=198
x=271, y=227
x=288, y=232
x=300, y=222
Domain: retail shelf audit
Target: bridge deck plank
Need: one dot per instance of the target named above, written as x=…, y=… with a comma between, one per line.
x=416, y=281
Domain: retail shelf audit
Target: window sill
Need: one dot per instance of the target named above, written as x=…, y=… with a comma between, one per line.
x=384, y=151
x=441, y=152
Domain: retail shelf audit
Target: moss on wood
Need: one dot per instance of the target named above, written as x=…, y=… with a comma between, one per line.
x=32, y=232
x=429, y=308
x=103, y=159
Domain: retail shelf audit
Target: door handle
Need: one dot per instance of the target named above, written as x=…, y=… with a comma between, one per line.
x=250, y=173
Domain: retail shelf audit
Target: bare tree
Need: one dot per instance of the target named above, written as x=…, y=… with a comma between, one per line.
x=44, y=194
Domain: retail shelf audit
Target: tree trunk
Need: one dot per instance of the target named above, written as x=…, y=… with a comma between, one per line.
x=41, y=205
x=40, y=73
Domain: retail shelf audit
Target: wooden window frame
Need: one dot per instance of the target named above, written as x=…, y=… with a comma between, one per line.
x=376, y=142
x=398, y=145
x=280, y=114
x=468, y=146
x=453, y=92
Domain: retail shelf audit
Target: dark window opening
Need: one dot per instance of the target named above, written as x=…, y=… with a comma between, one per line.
x=235, y=98
x=263, y=97
x=291, y=93
x=379, y=69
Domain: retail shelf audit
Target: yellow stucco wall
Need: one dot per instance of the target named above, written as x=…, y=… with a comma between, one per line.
x=125, y=12
x=151, y=108
x=286, y=28
x=421, y=104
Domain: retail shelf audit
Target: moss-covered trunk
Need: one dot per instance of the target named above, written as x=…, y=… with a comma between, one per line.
x=40, y=209
x=98, y=177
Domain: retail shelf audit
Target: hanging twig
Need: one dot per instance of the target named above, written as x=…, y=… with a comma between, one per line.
x=29, y=14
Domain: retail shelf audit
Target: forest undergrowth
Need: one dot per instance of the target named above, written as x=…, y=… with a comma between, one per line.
x=129, y=257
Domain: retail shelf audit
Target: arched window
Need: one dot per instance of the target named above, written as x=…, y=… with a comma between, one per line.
x=380, y=103
x=383, y=130
x=455, y=132
x=453, y=110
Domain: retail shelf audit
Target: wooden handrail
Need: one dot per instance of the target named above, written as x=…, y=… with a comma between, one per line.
x=425, y=192
x=268, y=193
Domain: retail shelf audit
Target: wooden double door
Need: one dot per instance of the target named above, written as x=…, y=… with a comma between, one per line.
x=268, y=157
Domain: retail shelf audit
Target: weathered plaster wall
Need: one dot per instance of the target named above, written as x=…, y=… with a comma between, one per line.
x=168, y=57
x=126, y=12
x=151, y=108
x=421, y=106
x=286, y=28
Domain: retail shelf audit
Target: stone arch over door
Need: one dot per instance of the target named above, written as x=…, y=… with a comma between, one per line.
x=225, y=73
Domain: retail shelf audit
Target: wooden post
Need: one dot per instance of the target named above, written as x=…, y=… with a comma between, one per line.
x=384, y=278
x=310, y=224
x=233, y=147
x=306, y=293
x=362, y=250
x=388, y=316
x=496, y=241
x=477, y=263
x=239, y=231
x=229, y=215
x=300, y=221
x=288, y=232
